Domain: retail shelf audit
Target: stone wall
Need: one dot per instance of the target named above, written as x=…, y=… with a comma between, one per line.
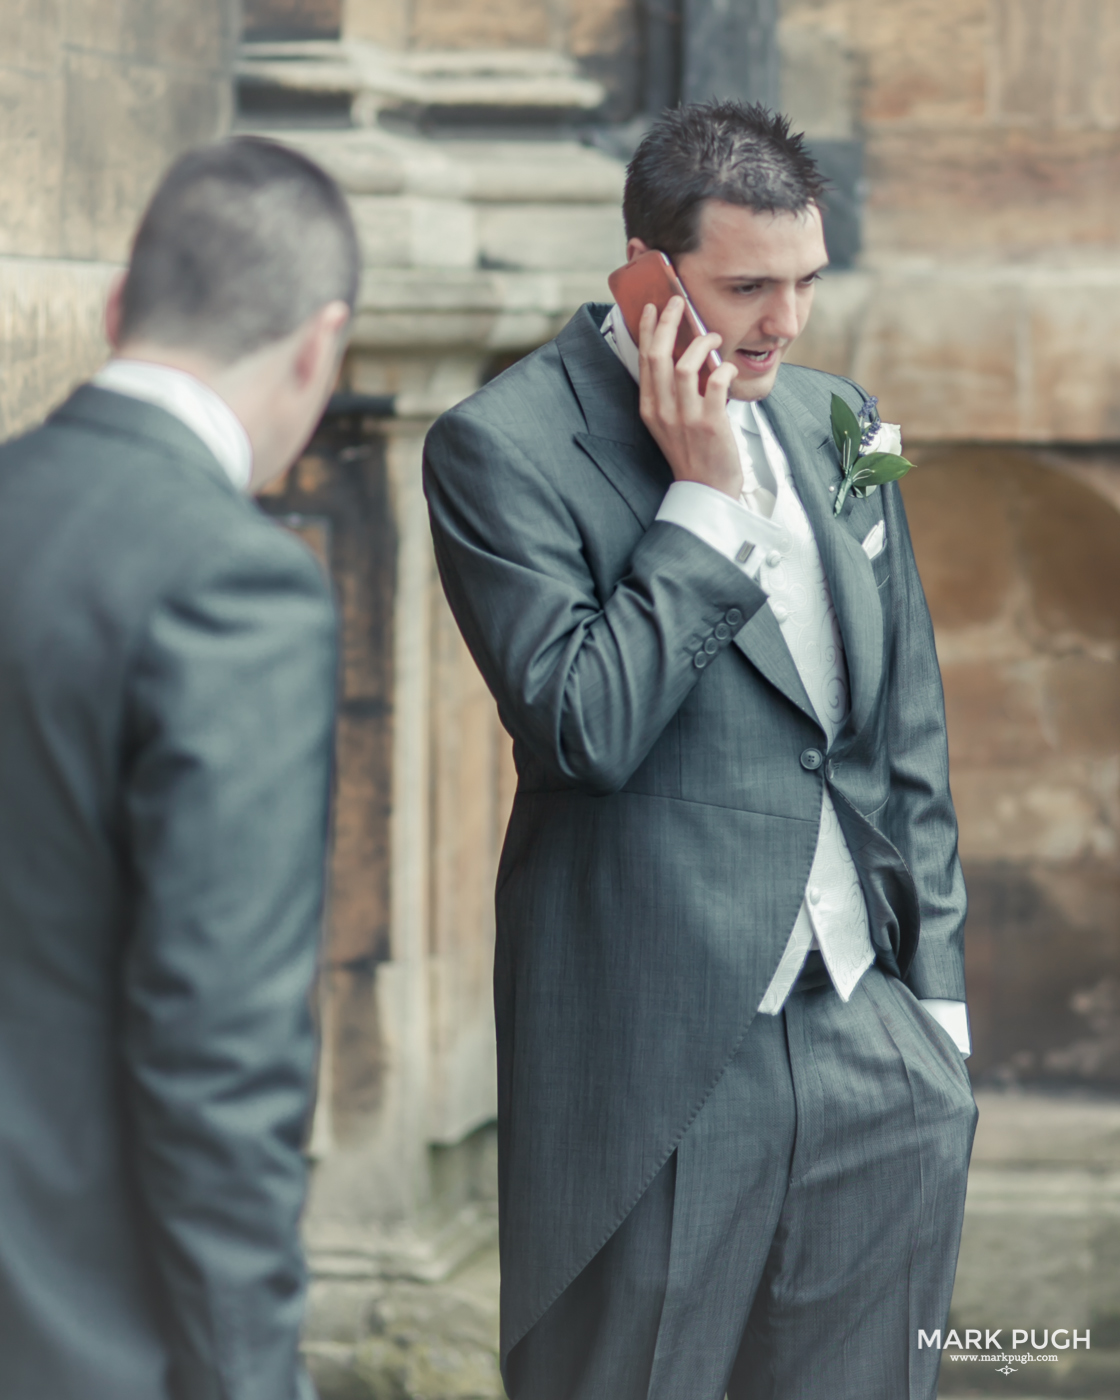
x=1020, y=558
x=95, y=99
x=990, y=285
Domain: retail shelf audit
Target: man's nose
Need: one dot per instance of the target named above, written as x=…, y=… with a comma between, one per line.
x=779, y=318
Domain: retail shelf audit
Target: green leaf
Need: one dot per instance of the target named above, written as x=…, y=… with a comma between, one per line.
x=845, y=432
x=879, y=467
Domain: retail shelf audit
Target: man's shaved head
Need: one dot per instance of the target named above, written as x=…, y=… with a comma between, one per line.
x=242, y=242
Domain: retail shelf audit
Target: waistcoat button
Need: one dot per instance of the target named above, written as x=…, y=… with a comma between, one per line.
x=812, y=759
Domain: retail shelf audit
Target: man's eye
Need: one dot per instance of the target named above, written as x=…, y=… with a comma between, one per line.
x=747, y=287
x=808, y=281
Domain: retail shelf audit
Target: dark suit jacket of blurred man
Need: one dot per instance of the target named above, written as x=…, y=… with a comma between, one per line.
x=167, y=667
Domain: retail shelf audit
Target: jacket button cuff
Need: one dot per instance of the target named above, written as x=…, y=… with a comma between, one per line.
x=723, y=632
x=700, y=660
x=734, y=617
x=711, y=646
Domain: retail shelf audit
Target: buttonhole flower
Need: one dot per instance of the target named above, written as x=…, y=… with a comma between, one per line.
x=870, y=450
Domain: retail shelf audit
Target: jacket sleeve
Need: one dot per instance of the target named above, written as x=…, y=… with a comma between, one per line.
x=230, y=712
x=920, y=816
x=586, y=683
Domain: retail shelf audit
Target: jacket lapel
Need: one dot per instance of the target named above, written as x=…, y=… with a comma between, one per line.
x=617, y=440
x=620, y=445
x=762, y=643
x=812, y=462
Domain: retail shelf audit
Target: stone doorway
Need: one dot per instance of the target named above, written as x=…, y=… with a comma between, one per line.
x=1019, y=552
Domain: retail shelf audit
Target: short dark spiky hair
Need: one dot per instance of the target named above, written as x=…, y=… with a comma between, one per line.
x=241, y=242
x=730, y=151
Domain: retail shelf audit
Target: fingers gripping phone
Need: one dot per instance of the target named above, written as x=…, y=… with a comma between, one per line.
x=652, y=279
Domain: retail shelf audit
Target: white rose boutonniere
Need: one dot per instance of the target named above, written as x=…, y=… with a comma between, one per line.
x=870, y=450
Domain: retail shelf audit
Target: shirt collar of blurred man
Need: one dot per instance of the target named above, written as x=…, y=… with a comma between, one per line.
x=195, y=404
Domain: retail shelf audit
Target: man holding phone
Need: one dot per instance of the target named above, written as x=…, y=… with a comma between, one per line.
x=734, y=1116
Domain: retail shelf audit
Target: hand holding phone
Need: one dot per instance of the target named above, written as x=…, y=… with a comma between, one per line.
x=651, y=280
x=684, y=383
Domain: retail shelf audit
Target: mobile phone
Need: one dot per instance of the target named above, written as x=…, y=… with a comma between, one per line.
x=651, y=278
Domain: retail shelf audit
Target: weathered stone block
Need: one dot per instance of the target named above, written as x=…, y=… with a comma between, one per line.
x=180, y=34
x=383, y=1340
x=936, y=378
x=818, y=79
x=549, y=237
x=537, y=173
x=384, y=22
x=1070, y=543
x=924, y=60
x=291, y=19
x=963, y=540
x=1056, y=62
x=1041, y=949
x=597, y=27
x=1074, y=354
x=986, y=188
x=1052, y=811
x=124, y=124
x=485, y=24
x=31, y=35
x=1082, y=697
x=993, y=713
x=829, y=340
x=31, y=161
x=50, y=334
x=413, y=232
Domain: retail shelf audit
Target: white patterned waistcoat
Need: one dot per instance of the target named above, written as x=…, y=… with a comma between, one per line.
x=833, y=913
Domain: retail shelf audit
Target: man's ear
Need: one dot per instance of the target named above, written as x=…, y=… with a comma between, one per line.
x=114, y=312
x=634, y=249
x=321, y=340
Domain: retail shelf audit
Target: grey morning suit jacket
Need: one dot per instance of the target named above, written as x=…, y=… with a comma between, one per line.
x=167, y=669
x=667, y=810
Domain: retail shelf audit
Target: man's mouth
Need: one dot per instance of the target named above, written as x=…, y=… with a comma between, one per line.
x=759, y=360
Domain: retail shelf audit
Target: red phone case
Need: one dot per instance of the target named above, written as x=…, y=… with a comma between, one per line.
x=651, y=278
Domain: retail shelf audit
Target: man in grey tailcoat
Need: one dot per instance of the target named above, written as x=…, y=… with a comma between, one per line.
x=734, y=1117
x=167, y=677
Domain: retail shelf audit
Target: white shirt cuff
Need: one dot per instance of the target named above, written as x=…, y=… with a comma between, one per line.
x=719, y=521
x=952, y=1016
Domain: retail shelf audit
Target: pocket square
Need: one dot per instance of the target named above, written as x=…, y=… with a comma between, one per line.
x=876, y=540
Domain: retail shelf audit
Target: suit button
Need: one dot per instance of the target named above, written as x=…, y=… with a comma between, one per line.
x=814, y=894
x=734, y=617
x=780, y=611
x=812, y=759
x=711, y=646
x=722, y=632
x=700, y=660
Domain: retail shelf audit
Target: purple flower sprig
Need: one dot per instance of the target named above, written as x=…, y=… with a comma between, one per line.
x=860, y=440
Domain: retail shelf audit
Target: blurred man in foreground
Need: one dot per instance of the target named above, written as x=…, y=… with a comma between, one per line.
x=167, y=672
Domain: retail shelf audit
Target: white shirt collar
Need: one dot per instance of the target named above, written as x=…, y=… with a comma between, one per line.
x=196, y=405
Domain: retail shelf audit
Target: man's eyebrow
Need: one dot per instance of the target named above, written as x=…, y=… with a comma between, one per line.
x=760, y=280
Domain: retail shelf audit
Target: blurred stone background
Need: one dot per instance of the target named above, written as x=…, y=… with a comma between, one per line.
x=974, y=226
